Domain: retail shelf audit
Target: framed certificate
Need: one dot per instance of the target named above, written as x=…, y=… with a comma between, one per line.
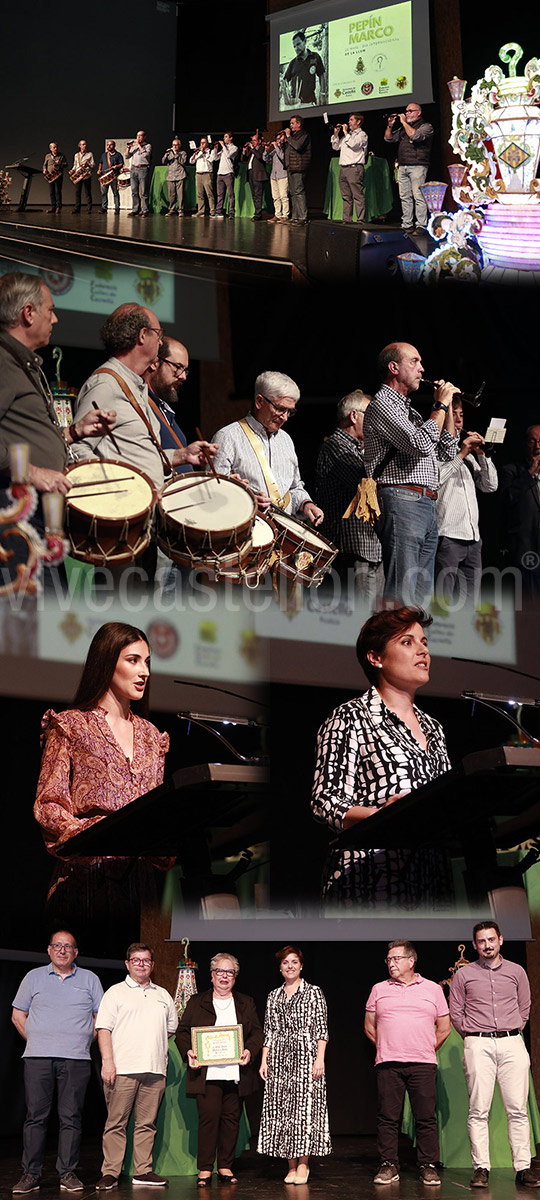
x=217, y=1045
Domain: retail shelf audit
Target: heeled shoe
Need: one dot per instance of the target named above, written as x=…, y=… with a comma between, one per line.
x=298, y=1181
x=225, y=1179
x=290, y=1177
x=204, y=1181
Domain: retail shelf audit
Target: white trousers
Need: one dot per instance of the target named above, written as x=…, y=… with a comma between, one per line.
x=507, y=1061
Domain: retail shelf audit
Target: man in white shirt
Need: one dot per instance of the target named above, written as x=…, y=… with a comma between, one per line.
x=135, y=1019
x=140, y=153
x=203, y=177
x=258, y=449
x=459, y=553
x=225, y=153
x=352, y=148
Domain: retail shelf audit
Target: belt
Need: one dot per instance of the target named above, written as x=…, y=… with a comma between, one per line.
x=413, y=487
x=498, y=1033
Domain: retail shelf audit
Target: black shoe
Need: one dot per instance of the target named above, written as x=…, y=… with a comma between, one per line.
x=255, y=218
x=387, y=1173
x=429, y=1174
x=27, y=1183
x=76, y=210
x=134, y=214
x=146, y=214
x=106, y=1183
x=151, y=1180
x=480, y=1177
x=71, y=1183
x=527, y=1178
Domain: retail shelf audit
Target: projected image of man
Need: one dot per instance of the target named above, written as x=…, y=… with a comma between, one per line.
x=304, y=81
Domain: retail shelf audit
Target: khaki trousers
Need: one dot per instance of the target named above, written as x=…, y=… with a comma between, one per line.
x=144, y=1092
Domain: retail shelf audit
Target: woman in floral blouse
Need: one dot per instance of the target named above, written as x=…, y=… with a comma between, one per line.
x=98, y=756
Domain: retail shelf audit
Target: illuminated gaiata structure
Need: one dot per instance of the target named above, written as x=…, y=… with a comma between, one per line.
x=496, y=132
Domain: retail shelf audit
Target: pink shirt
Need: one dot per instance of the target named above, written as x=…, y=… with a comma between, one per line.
x=406, y=1019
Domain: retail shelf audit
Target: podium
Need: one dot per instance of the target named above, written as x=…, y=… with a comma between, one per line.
x=489, y=802
x=198, y=814
x=28, y=175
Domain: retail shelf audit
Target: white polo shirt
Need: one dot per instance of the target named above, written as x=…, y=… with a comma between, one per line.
x=140, y=1020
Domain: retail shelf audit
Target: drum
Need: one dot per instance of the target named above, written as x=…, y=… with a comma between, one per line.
x=258, y=556
x=203, y=519
x=108, y=511
x=303, y=554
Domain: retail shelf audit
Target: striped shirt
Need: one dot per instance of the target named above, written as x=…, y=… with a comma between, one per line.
x=457, y=506
x=390, y=422
x=365, y=755
x=340, y=467
x=237, y=454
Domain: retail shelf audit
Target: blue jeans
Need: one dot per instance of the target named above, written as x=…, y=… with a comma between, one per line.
x=105, y=196
x=409, y=544
x=410, y=180
x=140, y=178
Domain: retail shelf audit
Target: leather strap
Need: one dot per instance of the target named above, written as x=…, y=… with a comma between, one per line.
x=135, y=404
x=161, y=417
x=271, y=485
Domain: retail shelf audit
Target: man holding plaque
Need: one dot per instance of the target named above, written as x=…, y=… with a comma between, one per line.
x=134, y=1021
x=219, y=1036
x=407, y=1020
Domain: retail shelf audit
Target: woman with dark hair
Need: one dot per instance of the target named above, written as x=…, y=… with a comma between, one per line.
x=219, y=1089
x=373, y=750
x=294, y=1121
x=98, y=756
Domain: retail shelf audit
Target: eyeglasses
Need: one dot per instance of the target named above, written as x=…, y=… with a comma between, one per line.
x=62, y=946
x=395, y=958
x=178, y=368
x=160, y=333
x=141, y=962
x=279, y=410
x=218, y=971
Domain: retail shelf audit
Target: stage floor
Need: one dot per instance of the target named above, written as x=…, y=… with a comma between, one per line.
x=240, y=250
x=347, y=1174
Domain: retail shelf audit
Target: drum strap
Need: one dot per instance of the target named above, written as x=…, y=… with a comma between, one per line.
x=135, y=404
x=161, y=417
x=271, y=485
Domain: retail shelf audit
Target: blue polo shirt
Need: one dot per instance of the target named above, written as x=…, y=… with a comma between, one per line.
x=60, y=1021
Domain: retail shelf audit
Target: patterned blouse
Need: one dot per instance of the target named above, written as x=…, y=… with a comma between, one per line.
x=365, y=755
x=85, y=774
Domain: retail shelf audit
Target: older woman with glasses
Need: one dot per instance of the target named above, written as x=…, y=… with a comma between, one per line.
x=219, y=1090
x=294, y=1122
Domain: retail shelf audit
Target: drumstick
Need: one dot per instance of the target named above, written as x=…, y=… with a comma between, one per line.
x=207, y=456
x=86, y=495
x=113, y=439
x=186, y=486
x=100, y=482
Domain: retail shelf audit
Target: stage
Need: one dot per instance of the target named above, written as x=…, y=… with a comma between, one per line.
x=237, y=251
x=347, y=1173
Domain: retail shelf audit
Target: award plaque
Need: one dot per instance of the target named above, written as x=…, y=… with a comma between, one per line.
x=217, y=1045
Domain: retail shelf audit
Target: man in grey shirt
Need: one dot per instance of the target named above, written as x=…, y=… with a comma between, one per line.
x=490, y=1002
x=132, y=335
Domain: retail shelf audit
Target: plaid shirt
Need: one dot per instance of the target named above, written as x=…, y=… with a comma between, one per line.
x=389, y=423
x=340, y=467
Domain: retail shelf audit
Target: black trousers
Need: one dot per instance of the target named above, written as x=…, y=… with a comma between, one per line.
x=219, y=1117
x=86, y=186
x=420, y=1081
x=257, y=187
x=71, y=1077
x=55, y=192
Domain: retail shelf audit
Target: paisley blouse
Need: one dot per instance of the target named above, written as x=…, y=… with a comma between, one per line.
x=85, y=774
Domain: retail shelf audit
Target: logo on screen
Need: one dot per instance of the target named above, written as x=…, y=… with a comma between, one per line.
x=367, y=89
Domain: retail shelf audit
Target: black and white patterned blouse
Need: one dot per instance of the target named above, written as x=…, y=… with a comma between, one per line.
x=365, y=755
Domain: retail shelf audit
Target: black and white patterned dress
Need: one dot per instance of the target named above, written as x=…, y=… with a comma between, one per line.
x=365, y=754
x=294, y=1118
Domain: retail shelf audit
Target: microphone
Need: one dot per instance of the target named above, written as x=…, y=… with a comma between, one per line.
x=475, y=399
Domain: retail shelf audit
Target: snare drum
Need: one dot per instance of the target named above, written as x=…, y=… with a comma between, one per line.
x=203, y=519
x=108, y=511
x=303, y=554
x=257, y=559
